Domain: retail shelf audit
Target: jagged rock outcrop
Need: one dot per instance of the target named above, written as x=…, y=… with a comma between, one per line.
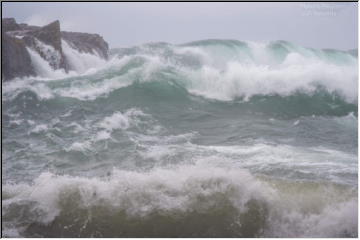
x=51, y=36
x=47, y=42
x=87, y=43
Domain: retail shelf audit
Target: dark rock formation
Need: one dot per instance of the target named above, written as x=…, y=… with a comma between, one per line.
x=87, y=43
x=35, y=38
x=47, y=42
x=16, y=61
x=25, y=27
x=9, y=24
x=51, y=36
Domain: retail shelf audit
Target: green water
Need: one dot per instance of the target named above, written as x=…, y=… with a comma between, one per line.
x=214, y=138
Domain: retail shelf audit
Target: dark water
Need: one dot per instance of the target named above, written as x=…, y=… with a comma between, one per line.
x=215, y=138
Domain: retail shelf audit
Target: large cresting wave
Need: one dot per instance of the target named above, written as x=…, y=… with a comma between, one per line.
x=222, y=70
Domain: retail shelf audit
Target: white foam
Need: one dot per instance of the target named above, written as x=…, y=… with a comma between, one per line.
x=159, y=152
x=103, y=129
x=17, y=121
x=83, y=89
x=119, y=120
x=173, y=190
x=246, y=80
x=296, y=122
x=190, y=188
x=91, y=91
x=333, y=221
x=236, y=77
x=77, y=127
x=318, y=163
x=43, y=68
x=102, y=135
x=115, y=121
x=79, y=146
x=39, y=128
x=81, y=61
x=51, y=55
x=233, y=78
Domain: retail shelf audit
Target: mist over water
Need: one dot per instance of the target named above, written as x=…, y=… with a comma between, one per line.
x=213, y=138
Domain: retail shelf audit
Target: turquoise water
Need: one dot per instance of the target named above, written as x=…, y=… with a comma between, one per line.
x=213, y=138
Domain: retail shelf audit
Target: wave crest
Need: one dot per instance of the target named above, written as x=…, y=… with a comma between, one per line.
x=223, y=70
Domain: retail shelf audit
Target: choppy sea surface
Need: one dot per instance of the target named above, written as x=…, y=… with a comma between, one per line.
x=213, y=138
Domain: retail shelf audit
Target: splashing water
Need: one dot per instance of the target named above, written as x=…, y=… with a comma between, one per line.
x=213, y=138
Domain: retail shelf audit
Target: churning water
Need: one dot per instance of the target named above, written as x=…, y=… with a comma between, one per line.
x=214, y=138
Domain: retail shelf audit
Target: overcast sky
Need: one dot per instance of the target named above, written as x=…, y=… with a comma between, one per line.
x=318, y=25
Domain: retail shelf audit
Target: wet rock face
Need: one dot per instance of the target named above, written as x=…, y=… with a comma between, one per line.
x=16, y=61
x=87, y=43
x=51, y=36
x=46, y=41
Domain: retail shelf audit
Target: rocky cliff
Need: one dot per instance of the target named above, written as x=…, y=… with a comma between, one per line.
x=88, y=43
x=19, y=40
x=15, y=59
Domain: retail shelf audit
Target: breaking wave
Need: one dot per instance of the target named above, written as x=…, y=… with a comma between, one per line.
x=187, y=201
x=223, y=70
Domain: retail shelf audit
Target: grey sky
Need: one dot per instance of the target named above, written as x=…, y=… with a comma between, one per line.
x=319, y=25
